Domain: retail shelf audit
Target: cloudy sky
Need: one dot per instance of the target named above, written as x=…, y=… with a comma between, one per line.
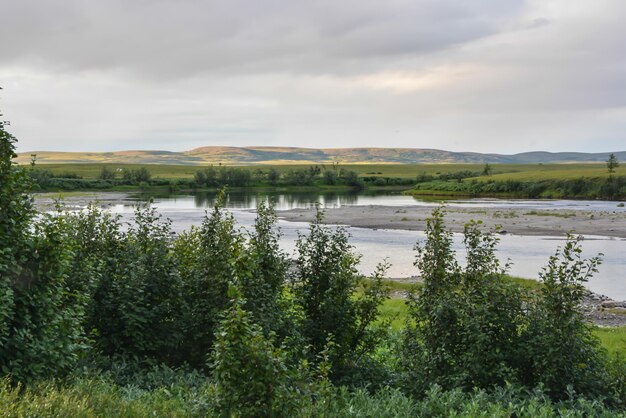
x=482, y=75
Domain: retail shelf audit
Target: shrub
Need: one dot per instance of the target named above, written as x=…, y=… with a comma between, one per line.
x=470, y=328
x=262, y=281
x=330, y=177
x=209, y=261
x=562, y=352
x=249, y=372
x=324, y=288
x=40, y=333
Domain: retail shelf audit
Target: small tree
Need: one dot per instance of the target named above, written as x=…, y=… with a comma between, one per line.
x=106, y=173
x=324, y=289
x=273, y=176
x=264, y=272
x=40, y=331
x=250, y=373
x=487, y=169
x=612, y=163
x=210, y=259
x=330, y=177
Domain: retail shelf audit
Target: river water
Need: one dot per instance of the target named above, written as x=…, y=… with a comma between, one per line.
x=527, y=253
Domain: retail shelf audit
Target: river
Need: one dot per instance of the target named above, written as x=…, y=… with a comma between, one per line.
x=527, y=253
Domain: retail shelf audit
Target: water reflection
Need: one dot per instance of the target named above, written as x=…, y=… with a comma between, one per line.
x=333, y=199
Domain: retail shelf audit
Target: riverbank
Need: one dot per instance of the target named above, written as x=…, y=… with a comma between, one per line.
x=522, y=221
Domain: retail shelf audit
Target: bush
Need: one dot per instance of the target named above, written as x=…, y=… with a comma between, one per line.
x=324, y=289
x=210, y=259
x=250, y=373
x=560, y=349
x=470, y=328
x=40, y=332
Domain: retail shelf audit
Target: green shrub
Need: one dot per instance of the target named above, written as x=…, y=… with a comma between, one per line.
x=250, y=373
x=324, y=289
x=210, y=259
x=40, y=332
x=264, y=275
x=561, y=351
x=470, y=327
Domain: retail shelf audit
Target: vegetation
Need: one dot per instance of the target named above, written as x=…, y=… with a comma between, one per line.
x=589, y=181
x=100, y=318
x=611, y=163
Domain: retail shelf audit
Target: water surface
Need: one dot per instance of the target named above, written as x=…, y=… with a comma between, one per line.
x=527, y=253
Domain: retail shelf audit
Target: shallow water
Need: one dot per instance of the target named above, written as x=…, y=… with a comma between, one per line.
x=527, y=253
x=298, y=200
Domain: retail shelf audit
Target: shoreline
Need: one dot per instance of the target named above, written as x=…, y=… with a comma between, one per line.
x=522, y=221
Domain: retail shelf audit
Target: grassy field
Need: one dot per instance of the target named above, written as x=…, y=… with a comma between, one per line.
x=521, y=172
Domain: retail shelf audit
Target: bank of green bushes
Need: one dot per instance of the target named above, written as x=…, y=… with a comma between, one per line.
x=608, y=188
x=99, y=317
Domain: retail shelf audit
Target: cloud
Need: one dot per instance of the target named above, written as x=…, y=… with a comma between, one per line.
x=493, y=75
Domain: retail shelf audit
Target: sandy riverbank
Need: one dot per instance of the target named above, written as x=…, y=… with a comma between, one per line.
x=554, y=222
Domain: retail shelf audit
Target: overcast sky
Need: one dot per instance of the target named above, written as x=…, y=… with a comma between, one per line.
x=464, y=75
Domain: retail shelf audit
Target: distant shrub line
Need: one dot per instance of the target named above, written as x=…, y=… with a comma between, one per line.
x=608, y=188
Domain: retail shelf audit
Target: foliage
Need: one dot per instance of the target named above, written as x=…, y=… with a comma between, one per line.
x=262, y=282
x=324, y=289
x=470, y=327
x=487, y=170
x=98, y=396
x=330, y=177
x=611, y=188
x=250, y=373
x=136, y=302
x=463, y=331
x=39, y=321
x=612, y=163
x=137, y=175
x=210, y=259
x=560, y=348
x=106, y=173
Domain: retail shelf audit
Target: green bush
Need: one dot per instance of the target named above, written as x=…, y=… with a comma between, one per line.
x=324, y=289
x=210, y=259
x=250, y=373
x=40, y=322
x=471, y=328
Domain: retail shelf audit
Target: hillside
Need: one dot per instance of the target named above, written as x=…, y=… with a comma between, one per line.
x=289, y=155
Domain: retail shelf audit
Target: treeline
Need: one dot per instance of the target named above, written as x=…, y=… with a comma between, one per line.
x=217, y=177
x=108, y=177
x=607, y=188
x=268, y=336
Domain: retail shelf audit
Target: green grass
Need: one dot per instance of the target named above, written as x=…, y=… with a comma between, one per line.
x=552, y=172
x=524, y=172
x=613, y=339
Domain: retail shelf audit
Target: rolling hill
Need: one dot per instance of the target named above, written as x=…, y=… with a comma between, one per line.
x=292, y=155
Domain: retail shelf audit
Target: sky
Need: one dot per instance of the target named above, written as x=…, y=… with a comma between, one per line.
x=501, y=76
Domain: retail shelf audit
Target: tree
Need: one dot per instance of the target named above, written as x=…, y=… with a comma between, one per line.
x=273, y=176
x=612, y=163
x=330, y=177
x=487, y=169
x=40, y=332
x=106, y=173
x=324, y=289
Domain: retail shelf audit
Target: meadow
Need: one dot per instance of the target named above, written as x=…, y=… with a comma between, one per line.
x=501, y=172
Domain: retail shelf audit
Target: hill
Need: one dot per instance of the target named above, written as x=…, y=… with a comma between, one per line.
x=292, y=155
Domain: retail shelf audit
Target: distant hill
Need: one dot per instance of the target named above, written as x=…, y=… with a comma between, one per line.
x=289, y=155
